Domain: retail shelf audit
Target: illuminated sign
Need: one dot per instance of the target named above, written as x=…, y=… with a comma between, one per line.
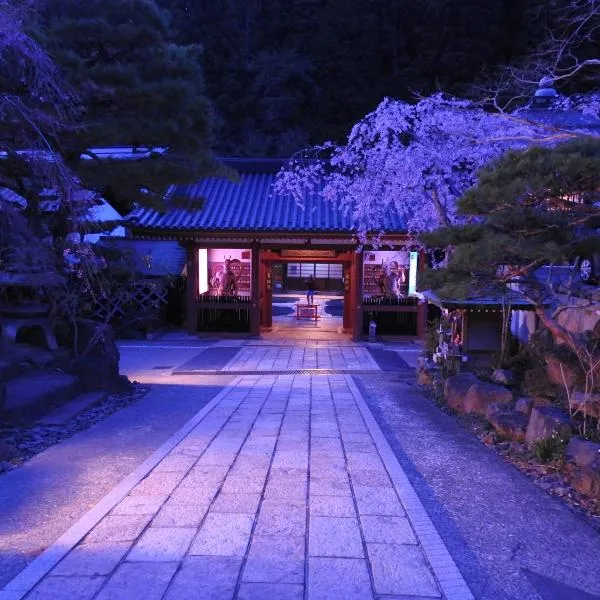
x=202, y=270
x=224, y=271
x=412, y=273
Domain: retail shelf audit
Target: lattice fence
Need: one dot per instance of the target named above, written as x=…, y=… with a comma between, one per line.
x=143, y=302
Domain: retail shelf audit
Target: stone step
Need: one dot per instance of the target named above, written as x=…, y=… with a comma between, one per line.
x=64, y=413
x=22, y=358
x=30, y=396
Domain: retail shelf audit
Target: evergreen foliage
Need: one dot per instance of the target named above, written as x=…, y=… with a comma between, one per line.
x=285, y=74
x=534, y=208
x=137, y=87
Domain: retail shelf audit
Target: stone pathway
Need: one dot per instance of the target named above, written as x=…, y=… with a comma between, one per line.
x=282, y=487
x=295, y=358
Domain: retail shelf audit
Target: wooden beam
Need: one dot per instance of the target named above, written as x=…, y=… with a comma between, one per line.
x=347, y=319
x=393, y=308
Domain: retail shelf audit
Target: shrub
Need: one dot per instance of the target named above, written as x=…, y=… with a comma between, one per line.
x=550, y=449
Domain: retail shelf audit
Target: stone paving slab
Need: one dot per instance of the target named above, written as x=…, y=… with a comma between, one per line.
x=266, y=358
x=208, y=359
x=319, y=518
x=139, y=580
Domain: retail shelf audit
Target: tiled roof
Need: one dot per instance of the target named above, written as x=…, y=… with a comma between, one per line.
x=563, y=119
x=250, y=204
x=155, y=258
x=511, y=298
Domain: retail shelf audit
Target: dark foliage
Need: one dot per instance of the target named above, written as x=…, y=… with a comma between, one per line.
x=530, y=209
x=284, y=73
x=138, y=87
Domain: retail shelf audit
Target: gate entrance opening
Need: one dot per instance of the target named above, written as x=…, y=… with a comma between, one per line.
x=294, y=311
x=285, y=307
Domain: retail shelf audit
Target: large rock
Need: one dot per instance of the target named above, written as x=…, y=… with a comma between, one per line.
x=424, y=378
x=456, y=388
x=546, y=422
x=428, y=374
x=524, y=405
x=96, y=372
x=481, y=395
x=510, y=424
x=504, y=377
x=97, y=365
x=583, y=452
x=587, y=480
x=587, y=405
x=561, y=373
x=96, y=339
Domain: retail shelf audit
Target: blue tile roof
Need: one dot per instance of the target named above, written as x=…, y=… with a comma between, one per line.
x=250, y=204
x=563, y=119
x=494, y=300
x=151, y=258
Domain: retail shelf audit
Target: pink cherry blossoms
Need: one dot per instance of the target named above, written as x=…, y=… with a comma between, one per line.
x=416, y=159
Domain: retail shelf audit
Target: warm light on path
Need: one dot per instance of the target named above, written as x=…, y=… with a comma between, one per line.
x=281, y=485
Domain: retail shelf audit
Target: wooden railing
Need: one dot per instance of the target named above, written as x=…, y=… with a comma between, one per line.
x=224, y=313
x=389, y=301
x=393, y=316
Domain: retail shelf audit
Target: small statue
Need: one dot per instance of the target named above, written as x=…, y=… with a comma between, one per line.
x=225, y=280
x=390, y=279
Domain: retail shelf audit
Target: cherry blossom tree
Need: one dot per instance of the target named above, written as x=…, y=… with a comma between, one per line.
x=419, y=159
x=416, y=159
x=41, y=200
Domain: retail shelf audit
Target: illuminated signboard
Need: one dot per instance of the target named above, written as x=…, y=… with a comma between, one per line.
x=412, y=273
x=202, y=271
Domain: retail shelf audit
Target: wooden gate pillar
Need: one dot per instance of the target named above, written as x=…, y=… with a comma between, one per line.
x=255, y=291
x=422, y=305
x=347, y=319
x=191, y=308
x=357, y=296
x=267, y=296
x=421, y=318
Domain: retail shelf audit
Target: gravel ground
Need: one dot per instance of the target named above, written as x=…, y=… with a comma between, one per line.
x=510, y=539
x=29, y=440
x=45, y=495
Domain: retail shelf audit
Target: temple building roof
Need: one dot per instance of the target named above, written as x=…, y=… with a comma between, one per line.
x=250, y=204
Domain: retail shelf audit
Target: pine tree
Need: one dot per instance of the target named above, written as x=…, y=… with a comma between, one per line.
x=137, y=88
x=529, y=210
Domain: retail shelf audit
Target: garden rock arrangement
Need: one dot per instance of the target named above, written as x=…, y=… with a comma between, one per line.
x=47, y=395
x=20, y=442
x=540, y=434
x=34, y=381
x=97, y=362
x=546, y=422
